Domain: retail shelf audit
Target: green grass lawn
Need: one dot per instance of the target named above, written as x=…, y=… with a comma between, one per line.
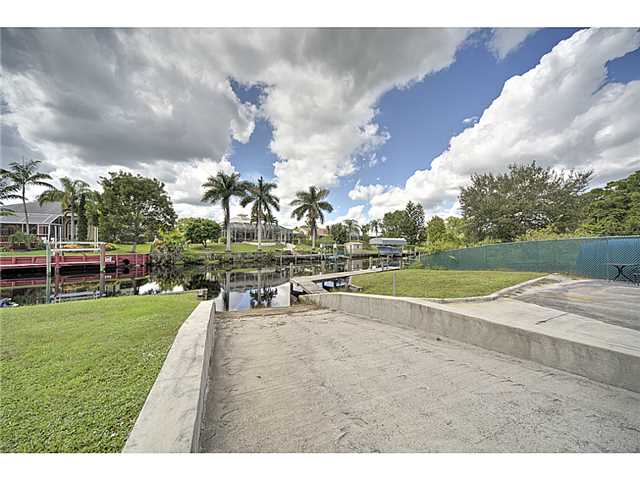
x=74, y=376
x=235, y=248
x=440, y=283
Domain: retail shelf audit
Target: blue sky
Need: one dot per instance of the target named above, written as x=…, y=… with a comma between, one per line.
x=375, y=115
x=422, y=118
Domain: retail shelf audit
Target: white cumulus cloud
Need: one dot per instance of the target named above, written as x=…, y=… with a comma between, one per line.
x=506, y=40
x=561, y=113
x=356, y=213
x=141, y=99
x=365, y=192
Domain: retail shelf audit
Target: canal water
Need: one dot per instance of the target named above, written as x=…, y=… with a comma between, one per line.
x=239, y=289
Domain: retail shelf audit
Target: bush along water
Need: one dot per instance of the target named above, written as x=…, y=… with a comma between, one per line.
x=169, y=249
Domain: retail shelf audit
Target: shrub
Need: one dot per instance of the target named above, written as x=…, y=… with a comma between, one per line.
x=169, y=248
x=21, y=240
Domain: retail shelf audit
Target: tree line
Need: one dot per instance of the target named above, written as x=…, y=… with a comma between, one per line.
x=530, y=202
x=526, y=202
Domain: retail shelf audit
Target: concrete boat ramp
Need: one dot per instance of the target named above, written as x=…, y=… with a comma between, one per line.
x=345, y=372
x=363, y=373
x=322, y=380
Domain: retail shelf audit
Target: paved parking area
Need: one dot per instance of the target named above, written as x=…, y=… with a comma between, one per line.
x=617, y=303
x=307, y=380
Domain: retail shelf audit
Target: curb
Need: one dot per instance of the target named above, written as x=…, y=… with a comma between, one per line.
x=170, y=419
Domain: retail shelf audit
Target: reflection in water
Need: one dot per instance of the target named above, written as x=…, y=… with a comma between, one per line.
x=240, y=289
x=231, y=289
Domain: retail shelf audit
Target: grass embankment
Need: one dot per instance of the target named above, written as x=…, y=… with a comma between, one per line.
x=74, y=376
x=440, y=283
x=235, y=248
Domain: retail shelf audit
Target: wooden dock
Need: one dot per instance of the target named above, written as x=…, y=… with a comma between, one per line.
x=36, y=262
x=313, y=283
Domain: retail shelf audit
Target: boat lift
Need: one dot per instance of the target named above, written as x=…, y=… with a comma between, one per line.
x=56, y=250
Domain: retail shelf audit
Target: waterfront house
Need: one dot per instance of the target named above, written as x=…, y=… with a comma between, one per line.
x=242, y=230
x=47, y=221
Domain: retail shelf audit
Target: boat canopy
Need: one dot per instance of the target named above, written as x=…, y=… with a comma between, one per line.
x=388, y=242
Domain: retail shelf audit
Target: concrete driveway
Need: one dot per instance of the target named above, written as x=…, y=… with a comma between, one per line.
x=617, y=303
x=306, y=380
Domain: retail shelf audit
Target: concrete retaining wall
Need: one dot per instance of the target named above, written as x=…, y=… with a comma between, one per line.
x=170, y=419
x=577, y=345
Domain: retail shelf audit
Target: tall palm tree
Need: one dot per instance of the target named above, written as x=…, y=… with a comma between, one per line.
x=7, y=192
x=69, y=196
x=220, y=189
x=311, y=203
x=23, y=175
x=263, y=200
x=352, y=227
x=375, y=226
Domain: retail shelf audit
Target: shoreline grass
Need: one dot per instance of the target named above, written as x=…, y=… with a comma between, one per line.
x=424, y=283
x=74, y=376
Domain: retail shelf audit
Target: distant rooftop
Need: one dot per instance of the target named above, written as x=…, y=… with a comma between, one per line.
x=38, y=214
x=241, y=218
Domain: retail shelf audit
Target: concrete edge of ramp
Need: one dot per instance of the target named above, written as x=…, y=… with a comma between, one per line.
x=587, y=348
x=170, y=419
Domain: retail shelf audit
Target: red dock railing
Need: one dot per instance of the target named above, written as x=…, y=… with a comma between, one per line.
x=40, y=261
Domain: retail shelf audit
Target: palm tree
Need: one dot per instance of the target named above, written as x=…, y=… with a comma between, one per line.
x=23, y=175
x=69, y=196
x=7, y=192
x=311, y=203
x=375, y=226
x=263, y=200
x=220, y=189
x=352, y=226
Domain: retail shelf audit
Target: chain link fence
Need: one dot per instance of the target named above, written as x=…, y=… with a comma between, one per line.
x=586, y=257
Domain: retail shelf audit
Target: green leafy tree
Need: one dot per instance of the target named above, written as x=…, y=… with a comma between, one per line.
x=436, y=229
x=407, y=223
x=414, y=231
x=445, y=234
x=312, y=204
x=260, y=194
x=456, y=229
x=202, y=230
x=339, y=233
x=394, y=223
x=527, y=197
x=69, y=196
x=614, y=209
x=220, y=189
x=134, y=208
x=20, y=176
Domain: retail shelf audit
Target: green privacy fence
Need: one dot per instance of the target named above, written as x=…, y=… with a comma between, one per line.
x=587, y=257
